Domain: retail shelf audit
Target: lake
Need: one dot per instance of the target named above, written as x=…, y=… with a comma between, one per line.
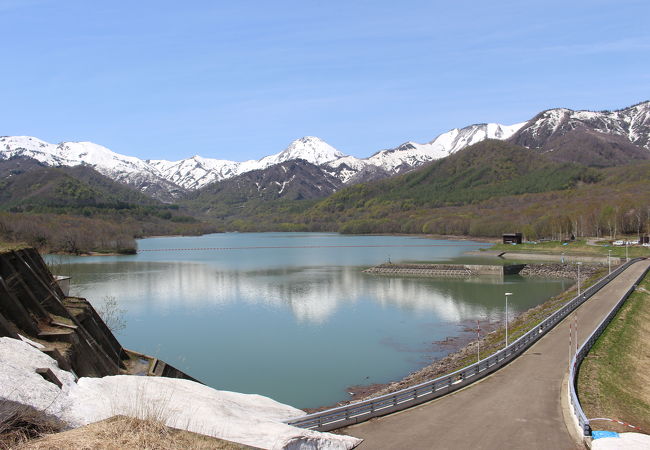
x=291, y=315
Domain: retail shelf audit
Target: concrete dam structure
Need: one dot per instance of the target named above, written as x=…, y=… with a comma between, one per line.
x=33, y=307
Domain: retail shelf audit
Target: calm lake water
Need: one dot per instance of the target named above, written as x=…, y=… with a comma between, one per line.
x=291, y=315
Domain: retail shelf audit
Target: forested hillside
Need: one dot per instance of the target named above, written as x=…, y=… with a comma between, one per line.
x=485, y=170
x=484, y=190
x=76, y=209
x=27, y=185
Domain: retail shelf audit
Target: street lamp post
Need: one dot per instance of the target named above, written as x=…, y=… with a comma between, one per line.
x=478, y=342
x=507, y=295
x=626, y=258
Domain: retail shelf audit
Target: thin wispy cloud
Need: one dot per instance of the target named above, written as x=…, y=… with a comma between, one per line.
x=621, y=45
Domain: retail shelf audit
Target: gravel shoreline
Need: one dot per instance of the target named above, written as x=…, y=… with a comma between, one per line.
x=554, y=270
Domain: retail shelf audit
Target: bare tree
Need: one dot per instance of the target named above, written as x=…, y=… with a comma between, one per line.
x=112, y=314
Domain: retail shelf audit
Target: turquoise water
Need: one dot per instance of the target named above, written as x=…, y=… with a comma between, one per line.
x=291, y=315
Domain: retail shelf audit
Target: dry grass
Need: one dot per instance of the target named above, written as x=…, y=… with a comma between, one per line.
x=614, y=379
x=122, y=432
x=9, y=246
x=22, y=427
x=21, y=423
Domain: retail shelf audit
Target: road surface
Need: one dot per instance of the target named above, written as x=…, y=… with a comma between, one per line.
x=517, y=407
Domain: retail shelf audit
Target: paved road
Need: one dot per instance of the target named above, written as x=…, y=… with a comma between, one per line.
x=518, y=407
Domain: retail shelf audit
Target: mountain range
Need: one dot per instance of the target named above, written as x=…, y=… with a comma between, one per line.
x=600, y=139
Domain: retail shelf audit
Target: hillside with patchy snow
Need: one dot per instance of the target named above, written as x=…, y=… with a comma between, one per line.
x=617, y=136
x=167, y=180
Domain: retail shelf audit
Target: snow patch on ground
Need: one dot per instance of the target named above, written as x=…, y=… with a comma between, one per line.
x=624, y=441
x=248, y=419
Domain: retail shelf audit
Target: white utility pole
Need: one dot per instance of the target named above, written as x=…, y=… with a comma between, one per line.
x=609, y=260
x=507, y=295
x=579, y=264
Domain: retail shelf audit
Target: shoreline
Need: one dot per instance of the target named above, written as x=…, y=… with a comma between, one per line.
x=461, y=346
x=464, y=347
x=442, y=237
x=481, y=240
x=91, y=254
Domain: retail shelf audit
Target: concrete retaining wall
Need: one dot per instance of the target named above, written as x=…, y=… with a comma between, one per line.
x=33, y=304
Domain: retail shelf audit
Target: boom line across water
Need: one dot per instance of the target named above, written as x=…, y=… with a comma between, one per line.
x=256, y=247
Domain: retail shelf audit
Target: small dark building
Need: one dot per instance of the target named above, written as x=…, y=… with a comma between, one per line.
x=512, y=238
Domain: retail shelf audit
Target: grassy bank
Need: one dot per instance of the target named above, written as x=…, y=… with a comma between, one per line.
x=9, y=246
x=614, y=379
x=578, y=247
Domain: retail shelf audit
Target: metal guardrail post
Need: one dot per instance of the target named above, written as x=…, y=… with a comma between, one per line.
x=577, y=359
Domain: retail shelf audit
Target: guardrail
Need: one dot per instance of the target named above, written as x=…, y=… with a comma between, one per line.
x=583, y=422
x=342, y=416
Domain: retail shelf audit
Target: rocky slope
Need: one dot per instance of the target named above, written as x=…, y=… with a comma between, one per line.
x=291, y=180
x=605, y=138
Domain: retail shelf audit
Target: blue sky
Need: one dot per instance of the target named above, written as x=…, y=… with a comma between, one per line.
x=242, y=79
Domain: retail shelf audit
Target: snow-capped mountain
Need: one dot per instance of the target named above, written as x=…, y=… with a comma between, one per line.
x=124, y=169
x=603, y=138
x=632, y=123
x=309, y=148
x=412, y=154
x=295, y=179
x=165, y=180
x=610, y=137
x=196, y=172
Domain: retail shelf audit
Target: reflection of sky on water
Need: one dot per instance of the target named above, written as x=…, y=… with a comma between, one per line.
x=263, y=251
x=279, y=321
x=311, y=294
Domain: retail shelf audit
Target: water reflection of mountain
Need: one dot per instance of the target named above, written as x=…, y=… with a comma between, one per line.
x=312, y=294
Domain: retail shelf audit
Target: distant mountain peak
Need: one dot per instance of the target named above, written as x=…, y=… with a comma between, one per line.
x=608, y=136
x=311, y=149
x=411, y=154
x=631, y=123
